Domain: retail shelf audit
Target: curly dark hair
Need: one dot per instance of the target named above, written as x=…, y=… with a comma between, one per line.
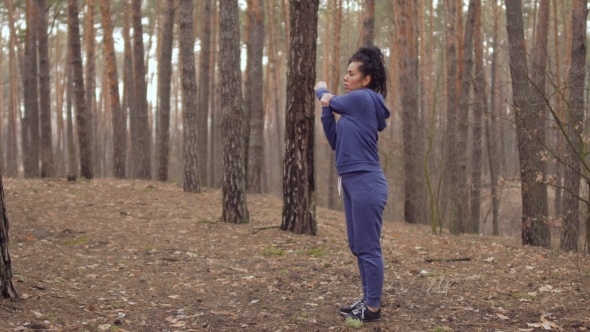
x=373, y=65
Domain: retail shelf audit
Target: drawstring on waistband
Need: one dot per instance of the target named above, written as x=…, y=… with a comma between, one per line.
x=339, y=184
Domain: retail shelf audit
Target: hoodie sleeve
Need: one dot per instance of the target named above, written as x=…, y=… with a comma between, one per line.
x=351, y=104
x=328, y=120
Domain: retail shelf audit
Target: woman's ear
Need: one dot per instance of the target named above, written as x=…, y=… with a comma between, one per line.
x=366, y=80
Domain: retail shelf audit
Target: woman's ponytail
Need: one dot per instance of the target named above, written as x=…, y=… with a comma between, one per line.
x=373, y=65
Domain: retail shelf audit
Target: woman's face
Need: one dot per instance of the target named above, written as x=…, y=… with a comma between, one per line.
x=354, y=79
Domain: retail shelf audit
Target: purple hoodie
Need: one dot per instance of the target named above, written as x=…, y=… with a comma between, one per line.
x=354, y=137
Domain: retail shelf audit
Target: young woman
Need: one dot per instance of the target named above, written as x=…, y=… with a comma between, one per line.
x=354, y=140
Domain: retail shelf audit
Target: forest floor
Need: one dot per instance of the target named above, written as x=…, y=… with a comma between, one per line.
x=131, y=255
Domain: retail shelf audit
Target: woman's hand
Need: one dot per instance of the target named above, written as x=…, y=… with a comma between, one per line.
x=319, y=85
x=325, y=101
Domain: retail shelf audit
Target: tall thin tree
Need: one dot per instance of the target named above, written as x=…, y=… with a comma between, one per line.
x=82, y=116
x=534, y=203
x=47, y=162
x=538, y=69
x=143, y=160
x=299, y=207
x=165, y=84
x=477, y=127
x=235, y=209
x=574, y=150
x=458, y=176
x=254, y=97
x=189, y=87
x=11, y=150
x=90, y=83
x=408, y=81
x=117, y=112
x=129, y=90
x=204, y=91
x=30, y=123
x=367, y=35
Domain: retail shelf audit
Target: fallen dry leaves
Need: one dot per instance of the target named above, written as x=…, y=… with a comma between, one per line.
x=131, y=255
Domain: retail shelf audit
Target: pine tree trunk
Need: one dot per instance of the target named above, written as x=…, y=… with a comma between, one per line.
x=458, y=176
x=11, y=153
x=235, y=209
x=299, y=207
x=335, y=38
x=574, y=149
x=538, y=94
x=165, y=82
x=30, y=123
x=204, y=91
x=557, y=207
x=422, y=211
x=215, y=105
x=408, y=82
x=82, y=116
x=143, y=167
x=254, y=93
x=90, y=83
x=451, y=95
x=72, y=165
x=189, y=87
x=7, y=290
x=367, y=34
x=117, y=112
x=534, y=203
x=491, y=123
x=2, y=111
x=60, y=84
x=129, y=92
x=478, y=108
x=46, y=146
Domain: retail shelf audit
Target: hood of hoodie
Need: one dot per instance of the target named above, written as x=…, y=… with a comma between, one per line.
x=383, y=112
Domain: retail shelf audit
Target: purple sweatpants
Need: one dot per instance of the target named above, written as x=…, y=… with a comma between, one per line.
x=365, y=195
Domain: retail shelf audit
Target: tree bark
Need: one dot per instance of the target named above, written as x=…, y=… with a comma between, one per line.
x=557, y=207
x=492, y=123
x=408, y=83
x=143, y=167
x=30, y=123
x=82, y=116
x=254, y=97
x=90, y=83
x=574, y=150
x=335, y=84
x=72, y=165
x=7, y=290
x=299, y=207
x=204, y=91
x=2, y=110
x=534, y=202
x=46, y=153
x=539, y=108
x=12, y=149
x=129, y=91
x=451, y=94
x=235, y=209
x=458, y=176
x=367, y=34
x=165, y=81
x=477, y=128
x=189, y=87
x=117, y=112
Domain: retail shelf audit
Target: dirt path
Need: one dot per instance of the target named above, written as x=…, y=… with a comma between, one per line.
x=144, y=256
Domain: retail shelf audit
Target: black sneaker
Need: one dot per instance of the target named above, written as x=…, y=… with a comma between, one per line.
x=347, y=310
x=362, y=313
